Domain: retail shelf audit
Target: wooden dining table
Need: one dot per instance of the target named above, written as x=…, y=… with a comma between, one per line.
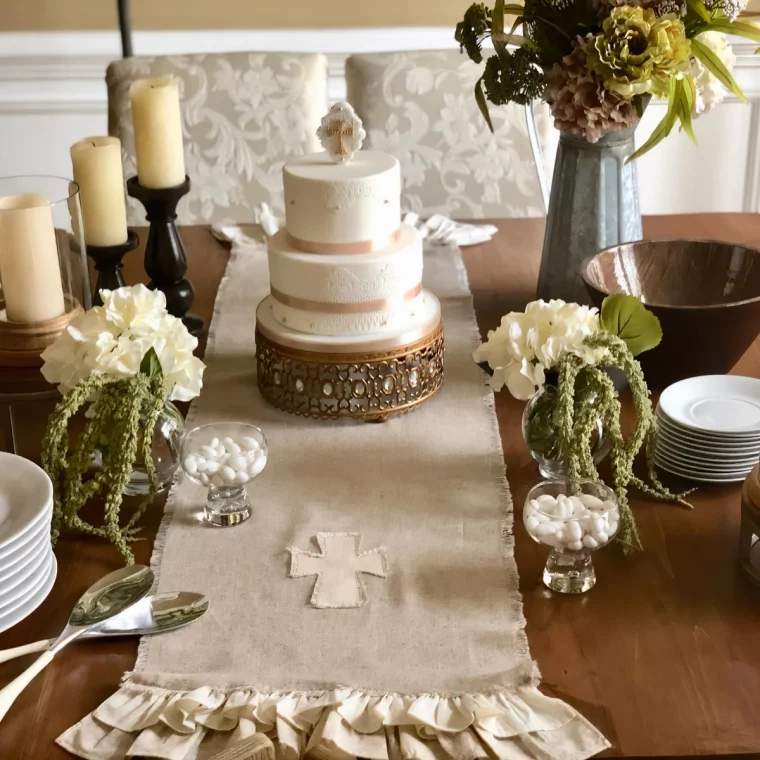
x=662, y=655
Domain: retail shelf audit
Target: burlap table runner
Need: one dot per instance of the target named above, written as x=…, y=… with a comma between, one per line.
x=434, y=665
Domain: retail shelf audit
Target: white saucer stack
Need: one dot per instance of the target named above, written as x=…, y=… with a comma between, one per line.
x=27, y=563
x=709, y=428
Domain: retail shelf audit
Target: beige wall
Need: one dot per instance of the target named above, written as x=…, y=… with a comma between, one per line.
x=50, y=15
x=35, y=15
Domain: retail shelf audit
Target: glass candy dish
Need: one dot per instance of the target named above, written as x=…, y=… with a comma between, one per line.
x=225, y=458
x=573, y=520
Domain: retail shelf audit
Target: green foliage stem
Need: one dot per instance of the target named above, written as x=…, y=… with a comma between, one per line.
x=125, y=411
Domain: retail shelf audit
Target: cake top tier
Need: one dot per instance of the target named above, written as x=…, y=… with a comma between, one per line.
x=342, y=204
x=319, y=167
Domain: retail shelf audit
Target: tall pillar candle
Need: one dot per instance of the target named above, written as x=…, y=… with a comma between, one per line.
x=30, y=272
x=97, y=170
x=158, y=132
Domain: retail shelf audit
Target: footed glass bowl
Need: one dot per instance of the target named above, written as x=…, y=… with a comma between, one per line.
x=573, y=520
x=224, y=458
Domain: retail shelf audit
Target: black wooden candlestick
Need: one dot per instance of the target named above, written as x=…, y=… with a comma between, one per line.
x=165, y=260
x=108, y=264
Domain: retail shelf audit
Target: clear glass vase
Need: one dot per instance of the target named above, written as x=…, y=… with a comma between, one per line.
x=167, y=444
x=539, y=426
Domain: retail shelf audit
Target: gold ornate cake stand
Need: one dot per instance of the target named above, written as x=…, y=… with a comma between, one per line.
x=368, y=385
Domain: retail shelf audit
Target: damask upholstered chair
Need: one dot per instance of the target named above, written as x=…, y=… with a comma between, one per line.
x=420, y=107
x=243, y=114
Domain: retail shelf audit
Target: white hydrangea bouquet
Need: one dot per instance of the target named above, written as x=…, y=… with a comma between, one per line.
x=569, y=347
x=123, y=361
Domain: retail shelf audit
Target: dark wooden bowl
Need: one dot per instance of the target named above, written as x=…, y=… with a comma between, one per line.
x=705, y=293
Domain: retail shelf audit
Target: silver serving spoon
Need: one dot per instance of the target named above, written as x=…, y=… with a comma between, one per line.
x=104, y=599
x=158, y=613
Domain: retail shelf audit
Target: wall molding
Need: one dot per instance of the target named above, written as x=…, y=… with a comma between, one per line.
x=43, y=74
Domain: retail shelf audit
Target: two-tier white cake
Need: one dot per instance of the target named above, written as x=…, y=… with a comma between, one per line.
x=346, y=278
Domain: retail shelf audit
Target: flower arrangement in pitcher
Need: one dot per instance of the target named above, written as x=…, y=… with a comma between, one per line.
x=598, y=62
x=123, y=361
x=571, y=346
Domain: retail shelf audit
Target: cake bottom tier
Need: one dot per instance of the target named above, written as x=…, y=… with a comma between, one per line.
x=391, y=316
x=420, y=322
x=365, y=377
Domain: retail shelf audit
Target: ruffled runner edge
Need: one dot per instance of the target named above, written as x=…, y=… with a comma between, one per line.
x=338, y=724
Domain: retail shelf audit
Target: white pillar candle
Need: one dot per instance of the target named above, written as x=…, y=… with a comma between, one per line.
x=30, y=272
x=158, y=132
x=97, y=171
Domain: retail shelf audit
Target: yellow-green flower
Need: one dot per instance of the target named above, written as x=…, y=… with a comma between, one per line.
x=638, y=52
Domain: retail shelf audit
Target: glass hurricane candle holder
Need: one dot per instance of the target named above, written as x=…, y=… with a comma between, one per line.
x=225, y=458
x=43, y=265
x=573, y=520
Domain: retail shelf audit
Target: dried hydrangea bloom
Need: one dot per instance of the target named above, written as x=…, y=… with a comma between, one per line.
x=581, y=104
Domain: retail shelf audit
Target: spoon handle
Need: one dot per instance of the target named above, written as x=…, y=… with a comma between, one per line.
x=9, y=693
x=38, y=646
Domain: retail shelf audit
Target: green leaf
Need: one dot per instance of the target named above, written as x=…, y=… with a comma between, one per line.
x=663, y=129
x=741, y=28
x=716, y=67
x=686, y=94
x=150, y=364
x=628, y=318
x=480, y=99
x=700, y=9
x=497, y=20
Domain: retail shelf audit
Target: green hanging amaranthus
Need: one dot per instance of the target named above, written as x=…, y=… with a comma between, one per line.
x=577, y=421
x=125, y=411
x=122, y=361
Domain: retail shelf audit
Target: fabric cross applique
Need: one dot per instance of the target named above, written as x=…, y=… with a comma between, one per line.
x=338, y=566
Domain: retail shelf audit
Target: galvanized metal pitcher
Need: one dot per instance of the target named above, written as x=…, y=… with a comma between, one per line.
x=594, y=203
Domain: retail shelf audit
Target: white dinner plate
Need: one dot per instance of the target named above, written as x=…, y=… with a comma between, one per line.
x=10, y=619
x=17, y=594
x=721, y=439
x=715, y=403
x=37, y=535
x=700, y=447
x=710, y=458
x=26, y=493
x=703, y=467
x=699, y=476
x=30, y=567
x=41, y=523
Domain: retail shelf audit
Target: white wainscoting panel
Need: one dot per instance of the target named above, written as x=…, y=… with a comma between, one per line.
x=52, y=93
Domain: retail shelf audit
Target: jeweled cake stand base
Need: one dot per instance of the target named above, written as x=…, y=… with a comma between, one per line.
x=367, y=377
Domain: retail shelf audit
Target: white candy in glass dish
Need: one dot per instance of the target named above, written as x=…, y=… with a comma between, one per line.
x=573, y=520
x=224, y=458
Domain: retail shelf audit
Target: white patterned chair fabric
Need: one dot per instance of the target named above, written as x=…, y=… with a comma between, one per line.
x=243, y=114
x=420, y=107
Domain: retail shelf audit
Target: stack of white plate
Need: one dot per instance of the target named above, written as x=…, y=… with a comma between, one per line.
x=709, y=428
x=27, y=563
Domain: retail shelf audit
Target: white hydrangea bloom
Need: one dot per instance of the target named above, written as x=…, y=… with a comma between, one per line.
x=526, y=345
x=710, y=92
x=113, y=339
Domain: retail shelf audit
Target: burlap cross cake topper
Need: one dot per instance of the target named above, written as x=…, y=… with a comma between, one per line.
x=341, y=133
